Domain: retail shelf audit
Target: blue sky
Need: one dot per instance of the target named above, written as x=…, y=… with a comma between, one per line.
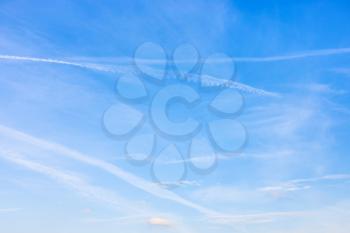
x=66, y=67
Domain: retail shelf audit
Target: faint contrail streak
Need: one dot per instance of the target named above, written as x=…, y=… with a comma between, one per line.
x=300, y=55
x=306, y=54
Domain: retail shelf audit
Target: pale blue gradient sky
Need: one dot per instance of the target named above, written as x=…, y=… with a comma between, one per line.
x=61, y=172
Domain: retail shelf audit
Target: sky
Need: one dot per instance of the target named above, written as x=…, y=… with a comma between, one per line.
x=174, y=116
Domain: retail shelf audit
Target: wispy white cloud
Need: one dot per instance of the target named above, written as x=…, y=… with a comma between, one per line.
x=301, y=184
x=281, y=190
x=281, y=130
x=330, y=218
x=282, y=119
x=227, y=194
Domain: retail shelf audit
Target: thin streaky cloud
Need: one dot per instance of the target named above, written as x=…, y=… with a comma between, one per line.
x=9, y=210
x=321, y=178
x=125, y=219
x=301, y=55
x=254, y=218
x=70, y=180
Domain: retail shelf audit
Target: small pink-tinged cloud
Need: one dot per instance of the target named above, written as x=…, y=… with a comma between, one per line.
x=159, y=221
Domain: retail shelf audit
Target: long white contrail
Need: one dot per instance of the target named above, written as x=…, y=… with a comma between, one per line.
x=129, y=178
x=236, y=85
x=71, y=180
x=301, y=55
x=205, y=80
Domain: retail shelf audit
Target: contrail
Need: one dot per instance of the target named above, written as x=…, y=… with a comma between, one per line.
x=235, y=85
x=129, y=178
x=89, y=66
x=71, y=180
x=206, y=80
